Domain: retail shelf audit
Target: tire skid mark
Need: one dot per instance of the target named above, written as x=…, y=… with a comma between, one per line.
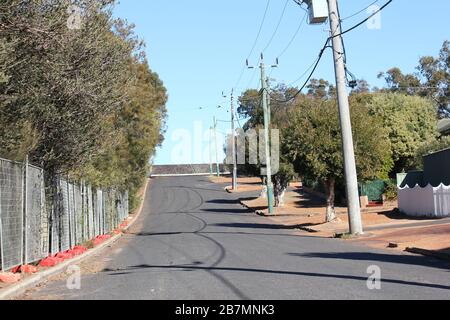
x=170, y=194
x=220, y=250
x=218, y=245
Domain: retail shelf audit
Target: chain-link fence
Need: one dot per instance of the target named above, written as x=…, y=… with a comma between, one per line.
x=11, y=213
x=35, y=216
x=42, y=215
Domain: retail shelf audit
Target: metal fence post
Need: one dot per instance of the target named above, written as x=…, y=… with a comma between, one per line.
x=103, y=212
x=1, y=236
x=45, y=245
x=76, y=192
x=69, y=213
x=54, y=221
x=58, y=211
x=50, y=216
x=25, y=212
x=83, y=216
x=76, y=210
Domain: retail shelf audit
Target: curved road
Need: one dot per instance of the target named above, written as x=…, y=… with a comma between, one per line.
x=194, y=241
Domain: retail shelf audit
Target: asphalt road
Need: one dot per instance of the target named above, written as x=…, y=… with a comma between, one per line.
x=194, y=241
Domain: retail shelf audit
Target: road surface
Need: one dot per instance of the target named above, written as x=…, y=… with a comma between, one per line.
x=194, y=241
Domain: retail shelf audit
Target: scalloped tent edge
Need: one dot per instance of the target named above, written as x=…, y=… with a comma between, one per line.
x=417, y=186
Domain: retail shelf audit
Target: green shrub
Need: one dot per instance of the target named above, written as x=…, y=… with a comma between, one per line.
x=391, y=191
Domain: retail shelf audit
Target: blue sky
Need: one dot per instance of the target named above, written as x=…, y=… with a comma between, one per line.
x=199, y=47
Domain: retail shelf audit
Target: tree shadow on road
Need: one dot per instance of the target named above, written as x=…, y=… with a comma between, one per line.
x=229, y=211
x=195, y=267
x=268, y=226
x=262, y=234
x=377, y=257
x=308, y=200
x=224, y=201
x=396, y=215
x=256, y=226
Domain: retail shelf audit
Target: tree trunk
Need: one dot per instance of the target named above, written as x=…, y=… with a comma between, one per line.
x=331, y=213
x=263, y=193
x=279, y=199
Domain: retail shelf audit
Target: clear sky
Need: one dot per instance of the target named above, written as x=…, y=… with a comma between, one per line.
x=199, y=48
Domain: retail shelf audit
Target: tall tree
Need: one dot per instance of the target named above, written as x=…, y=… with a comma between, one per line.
x=80, y=98
x=321, y=89
x=411, y=121
x=431, y=80
x=140, y=126
x=65, y=83
x=312, y=141
x=362, y=86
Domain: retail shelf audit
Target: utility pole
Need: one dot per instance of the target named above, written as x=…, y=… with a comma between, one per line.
x=354, y=209
x=266, y=136
x=269, y=111
x=211, y=151
x=233, y=133
x=217, y=150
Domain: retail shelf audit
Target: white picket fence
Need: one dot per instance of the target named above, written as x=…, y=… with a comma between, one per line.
x=425, y=202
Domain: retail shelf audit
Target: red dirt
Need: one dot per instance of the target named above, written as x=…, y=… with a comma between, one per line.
x=9, y=277
x=50, y=262
x=28, y=269
x=244, y=184
x=308, y=212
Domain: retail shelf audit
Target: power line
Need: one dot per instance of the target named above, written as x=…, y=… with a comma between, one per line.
x=326, y=45
x=235, y=120
x=254, y=43
x=240, y=77
x=222, y=133
x=223, y=121
x=418, y=87
x=241, y=119
x=361, y=11
x=363, y=21
x=315, y=65
x=352, y=28
x=277, y=27
x=300, y=2
x=206, y=108
x=294, y=36
x=260, y=29
x=252, y=78
x=347, y=72
x=239, y=122
x=303, y=74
